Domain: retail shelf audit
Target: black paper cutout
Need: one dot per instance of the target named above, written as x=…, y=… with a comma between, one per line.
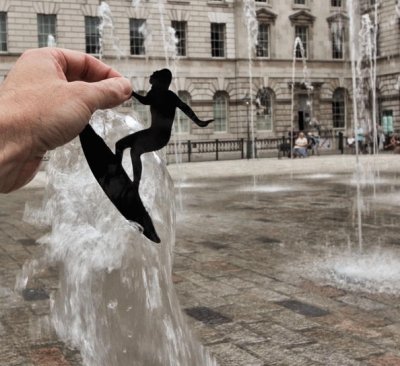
x=107, y=167
x=115, y=182
x=163, y=104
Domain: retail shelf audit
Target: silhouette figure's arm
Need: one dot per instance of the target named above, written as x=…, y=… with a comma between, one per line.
x=189, y=112
x=142, y=99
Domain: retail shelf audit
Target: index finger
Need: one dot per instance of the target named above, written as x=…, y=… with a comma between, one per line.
x=81, y=66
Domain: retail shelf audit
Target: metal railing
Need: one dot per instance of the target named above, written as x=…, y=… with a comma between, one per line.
x=216, y=147
x=223, y=148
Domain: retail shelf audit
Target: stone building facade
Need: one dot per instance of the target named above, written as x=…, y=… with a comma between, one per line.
x=206, y=45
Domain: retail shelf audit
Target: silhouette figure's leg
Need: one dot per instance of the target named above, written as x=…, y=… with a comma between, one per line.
x=124, y=143
x=119, y=149
x=137, y=167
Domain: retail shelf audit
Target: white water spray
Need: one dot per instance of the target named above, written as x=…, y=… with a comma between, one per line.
x=249, y=11
x=106, y=30
x=51, y=41
x=298, y=45
x=116, y=302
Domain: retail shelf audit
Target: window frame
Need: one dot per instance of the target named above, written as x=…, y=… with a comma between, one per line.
x=180, y=27
x=89, y=26
x=305, y=44
x=4, y=42
x=136, y=35
x=43, y=37
x=216, y=51
x=337, y=54
x=259, y=48
x=218, y=96
x=341, y=106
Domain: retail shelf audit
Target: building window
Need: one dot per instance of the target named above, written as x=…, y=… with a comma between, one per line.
x=218, y=40
x=336, y=3
x=3, y=32
x=337, y=34
x=262, y=48
x=182, y=121
x=339, y=109
x=46, y=27
x=142, y=110
x=180, y=34
x=263, y=104
x=300, y=2
x=136, y=34
x=92, y=34
x=221, y=112
x=301, y=32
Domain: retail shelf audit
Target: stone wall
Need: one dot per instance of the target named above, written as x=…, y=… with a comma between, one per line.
x=202, y=75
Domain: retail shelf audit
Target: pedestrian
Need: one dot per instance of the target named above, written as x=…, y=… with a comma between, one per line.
x=300, y=146
x=46, y=100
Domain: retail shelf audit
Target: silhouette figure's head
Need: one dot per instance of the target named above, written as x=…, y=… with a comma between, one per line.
x=161, y=78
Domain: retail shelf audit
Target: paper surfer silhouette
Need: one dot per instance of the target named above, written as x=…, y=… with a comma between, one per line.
x=163, y=104
x=107, y=168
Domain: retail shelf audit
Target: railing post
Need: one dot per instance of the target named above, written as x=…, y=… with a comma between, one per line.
x=341, y=145
x=242, y=144
x=255, y=148
x=216, y=149
x=189, y=151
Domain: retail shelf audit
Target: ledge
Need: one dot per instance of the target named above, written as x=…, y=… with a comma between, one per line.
x=179, y=2
x=217, y=3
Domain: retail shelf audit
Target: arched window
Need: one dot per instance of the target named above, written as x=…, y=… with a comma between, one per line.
x=142, y=111
x=182, y=121
x=339, y=108
x=264, y=109
x=221, y=112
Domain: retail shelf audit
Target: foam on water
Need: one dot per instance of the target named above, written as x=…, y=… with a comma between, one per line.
x=116, y=302
x=372, y=272
x=268, y=188
x=318, y=176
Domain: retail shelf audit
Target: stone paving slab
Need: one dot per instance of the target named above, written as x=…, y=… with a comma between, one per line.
x=241, y=263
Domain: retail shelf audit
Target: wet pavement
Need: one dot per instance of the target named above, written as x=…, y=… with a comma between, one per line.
x=258, y=265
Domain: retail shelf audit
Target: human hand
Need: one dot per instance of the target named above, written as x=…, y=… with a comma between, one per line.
x=46, y=100
x=204, y=123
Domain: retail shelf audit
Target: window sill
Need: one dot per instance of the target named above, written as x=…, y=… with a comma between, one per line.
x=300, y=7
x=179, y=2
x=222, y=3
x=137, y=56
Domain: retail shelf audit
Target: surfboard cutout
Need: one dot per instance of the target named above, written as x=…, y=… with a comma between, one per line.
x=114, y=181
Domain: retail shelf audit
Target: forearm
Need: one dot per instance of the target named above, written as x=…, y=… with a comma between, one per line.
x=18, y=158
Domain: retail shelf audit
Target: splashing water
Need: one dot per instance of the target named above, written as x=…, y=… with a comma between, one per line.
x=375, y=272
x=298, y=45
x=397, y=8
x=106, y=23
x=164, y=31
x=51, y=41
x=136, y=3
x=116, y=302
x=249, y=11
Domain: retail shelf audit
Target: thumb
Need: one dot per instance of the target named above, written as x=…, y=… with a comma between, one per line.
x=107, y=93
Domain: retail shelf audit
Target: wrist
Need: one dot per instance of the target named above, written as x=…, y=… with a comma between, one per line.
x=18, y=160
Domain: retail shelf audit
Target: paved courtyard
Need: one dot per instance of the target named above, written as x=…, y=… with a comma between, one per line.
x=254, y=240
